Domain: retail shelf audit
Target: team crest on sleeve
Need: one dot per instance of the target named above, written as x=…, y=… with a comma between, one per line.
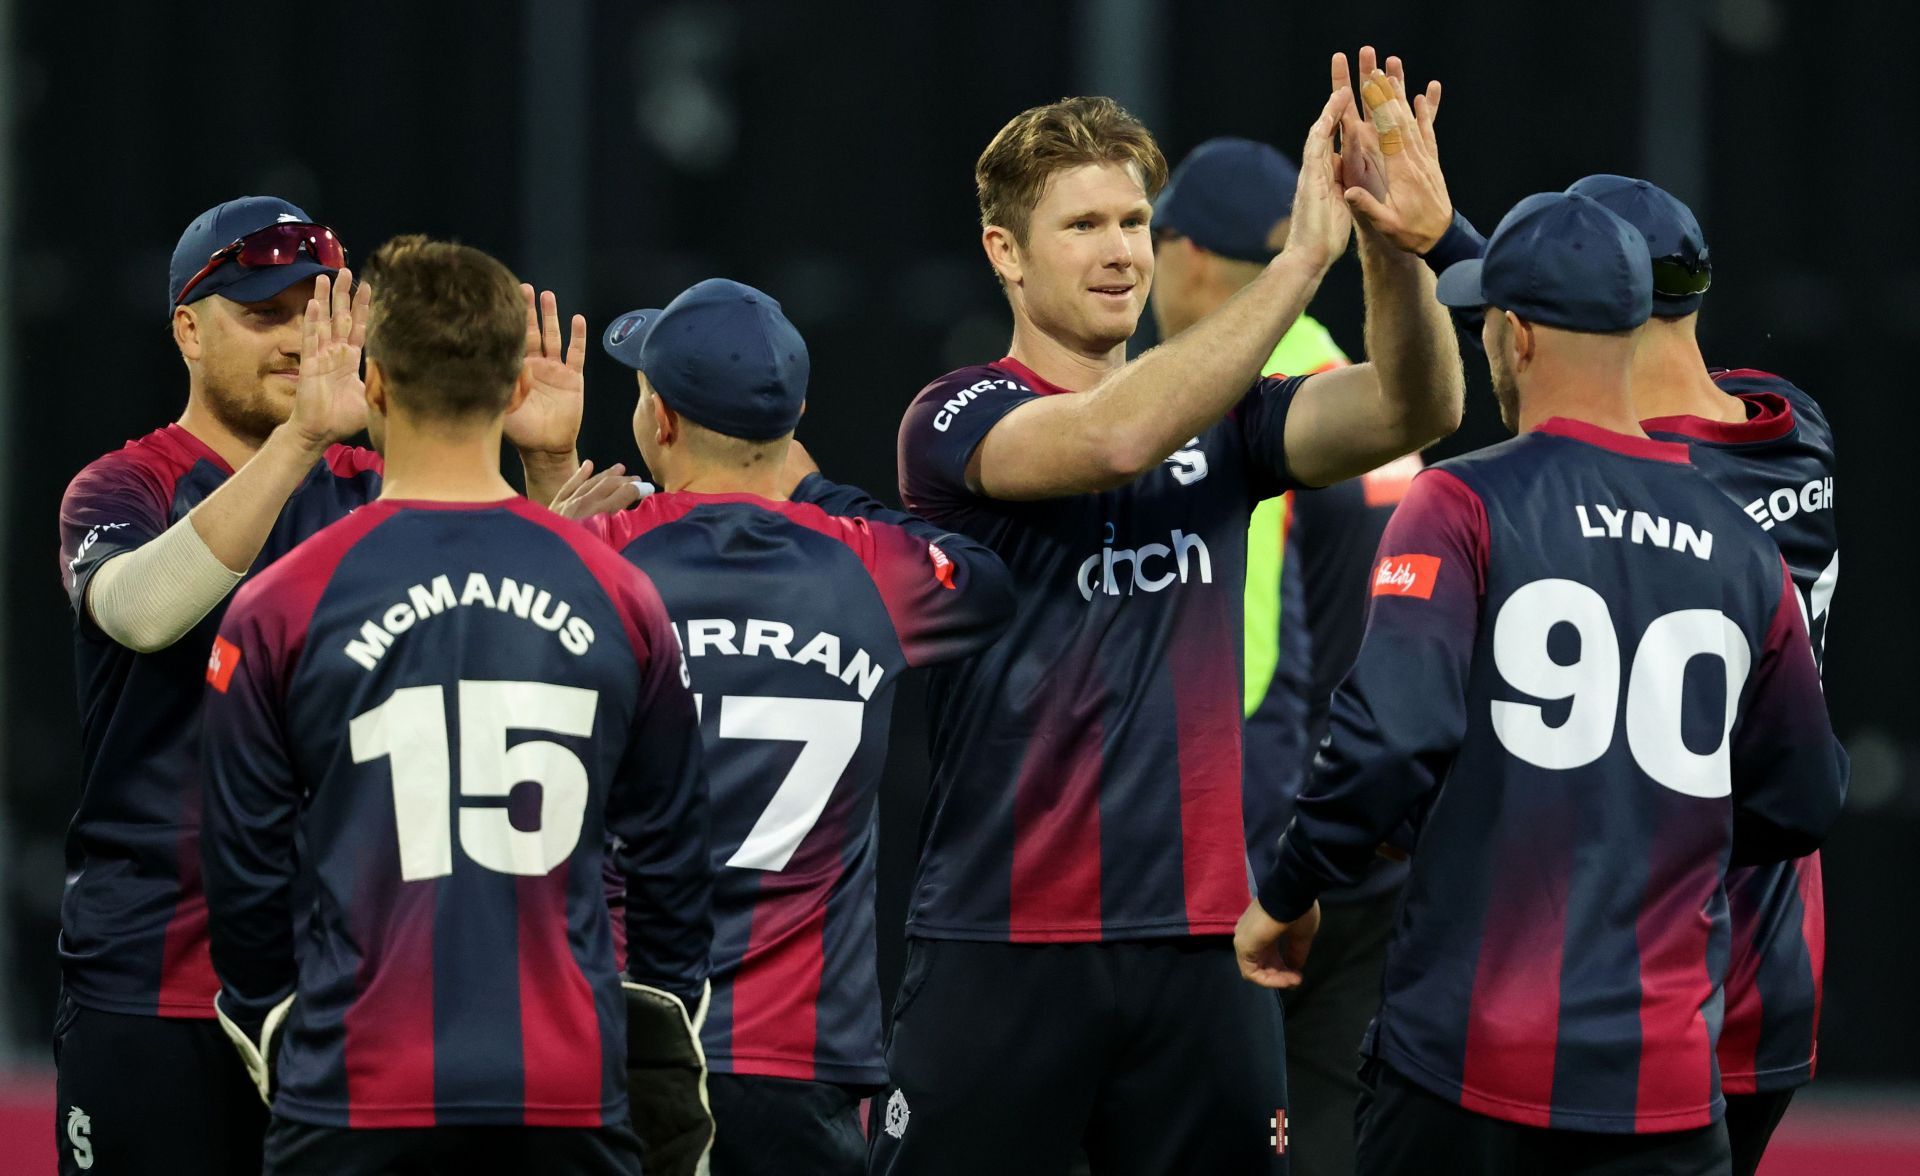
x=942, y=565
x=221, y=663
x=1406, y=575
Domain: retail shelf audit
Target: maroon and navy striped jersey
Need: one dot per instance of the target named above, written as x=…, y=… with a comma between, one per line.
x=133, y=920
x=1778, y=465
x=1587, y=682
x=1087, y=767
x=798, y=619
x=426, y=730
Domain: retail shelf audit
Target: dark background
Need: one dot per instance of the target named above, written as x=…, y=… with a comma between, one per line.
x=620, y=151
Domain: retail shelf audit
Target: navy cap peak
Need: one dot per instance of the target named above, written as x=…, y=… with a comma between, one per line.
x=721, y=354
x=1561, y=260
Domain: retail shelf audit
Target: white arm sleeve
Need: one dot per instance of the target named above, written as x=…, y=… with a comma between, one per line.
x=149, y=598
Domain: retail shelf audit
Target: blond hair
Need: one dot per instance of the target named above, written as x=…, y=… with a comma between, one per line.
x=1012, y=172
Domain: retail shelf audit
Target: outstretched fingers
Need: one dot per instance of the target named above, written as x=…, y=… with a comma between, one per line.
x=533, y=321
x=312, y=326
x=549, y=325
x=577, y=343
x=341, y=305
x=362, y=312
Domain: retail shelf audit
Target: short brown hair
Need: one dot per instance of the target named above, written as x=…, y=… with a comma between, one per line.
x=449, y=327
x=1012, y=172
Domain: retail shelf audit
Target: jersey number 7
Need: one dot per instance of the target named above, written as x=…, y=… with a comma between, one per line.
x=410, y=728
x=828, y=732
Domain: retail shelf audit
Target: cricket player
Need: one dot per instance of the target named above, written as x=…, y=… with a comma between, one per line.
x=1222, y=216
x=1766, y=444
x=1083, y=856
x=1586, y=683
x=154, y=536
x=426, y=728
x=800, y=603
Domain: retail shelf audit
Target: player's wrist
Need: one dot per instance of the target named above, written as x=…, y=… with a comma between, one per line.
x=298, y=442
x=1303, y=260
x=550, y=459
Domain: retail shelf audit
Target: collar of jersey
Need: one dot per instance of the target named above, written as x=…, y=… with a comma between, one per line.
x=1769, y=418
x=443, y=504
x=1029, y=377
x=178, y=434
x=1617, y=442
x=702, y=497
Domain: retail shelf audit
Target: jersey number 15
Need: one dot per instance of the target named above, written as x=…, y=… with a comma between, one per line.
x=410, y=728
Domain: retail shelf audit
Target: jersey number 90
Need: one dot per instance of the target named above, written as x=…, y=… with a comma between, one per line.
x=1655, y=680
x=410, y=728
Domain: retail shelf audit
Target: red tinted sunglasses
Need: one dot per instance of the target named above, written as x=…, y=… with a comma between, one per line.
x=274, y=245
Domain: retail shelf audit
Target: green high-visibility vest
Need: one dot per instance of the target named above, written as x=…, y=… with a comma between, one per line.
x=1305, y=348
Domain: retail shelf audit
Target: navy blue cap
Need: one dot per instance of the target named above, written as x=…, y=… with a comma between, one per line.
x=219, y=227
x=721, y=354
x=1227, y=195
x=1682, y=270
x=1561, y=261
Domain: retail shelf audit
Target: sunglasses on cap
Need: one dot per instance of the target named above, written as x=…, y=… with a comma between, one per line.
x=274, y=245
x=1674, y=277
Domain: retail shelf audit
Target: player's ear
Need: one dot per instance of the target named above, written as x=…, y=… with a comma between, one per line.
x=522, y=388
x=1003, y=253
x=666, y=422
x=376, y=388
x=1520, y=331
x=186, y=332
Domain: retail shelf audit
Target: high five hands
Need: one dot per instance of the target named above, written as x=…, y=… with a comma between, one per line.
x=1389, y=157
x=547, y=423
x=330, y=400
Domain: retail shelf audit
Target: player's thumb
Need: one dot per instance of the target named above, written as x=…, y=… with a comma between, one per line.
x=1363, y=204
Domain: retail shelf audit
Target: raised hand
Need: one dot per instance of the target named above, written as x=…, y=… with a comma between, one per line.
x=1321, y=223
x=547, y=423
x=330, y=401
x=1360, y=163
x=1414, y=211
x=586, y=493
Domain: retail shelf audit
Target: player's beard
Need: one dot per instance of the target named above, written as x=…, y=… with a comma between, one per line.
x=1506, y=390
x=1508, y=394
x=251, y=412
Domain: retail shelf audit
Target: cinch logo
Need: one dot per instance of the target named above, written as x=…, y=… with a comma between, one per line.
x=1407, y=575
x=1149, y=568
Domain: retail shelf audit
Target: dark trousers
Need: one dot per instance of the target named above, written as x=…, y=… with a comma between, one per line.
x=1751, y=1119
x=1327, y=1017
x=302, y=1149
x=1407, y=1131
x=785, y=1127
x=1007, y=1058
x=160, y=1095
